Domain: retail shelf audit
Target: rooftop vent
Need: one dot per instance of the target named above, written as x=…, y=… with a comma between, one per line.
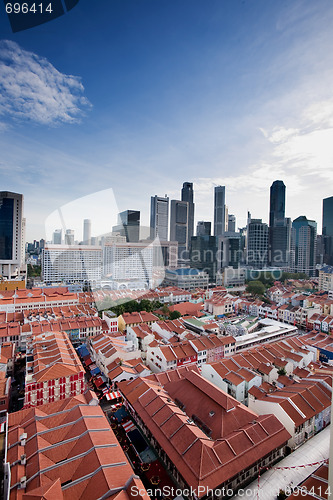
x=211, y=413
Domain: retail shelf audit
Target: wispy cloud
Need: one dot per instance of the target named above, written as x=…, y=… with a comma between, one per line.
x=31, y=89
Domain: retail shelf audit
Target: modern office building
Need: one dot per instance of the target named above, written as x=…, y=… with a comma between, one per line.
x=230, y=252
x=57, y=237
x=303, y=246
x=187, y=195
x=328, y=229
x=159, y=217
x=203, y=254
x=220, y=211
x=280, y=239
x=165, y=254
x=277, y=202
x=179, y=227
x=128, y=225
x=257, y=244
x=72, y=264
x=279, y=227
x=231, y=223
x=12, y=235
x=186, y=278
x=204, y=228
x=69, y=237
x=87, y=232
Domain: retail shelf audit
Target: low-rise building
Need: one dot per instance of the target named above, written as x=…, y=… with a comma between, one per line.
x=66, y=450
x=208, y=440
x=304, y=407
x=53, y=370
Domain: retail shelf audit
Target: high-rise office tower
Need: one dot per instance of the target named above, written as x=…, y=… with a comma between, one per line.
x=328, y=230
x=279, y=227
x=128, y=225
x=87, y=232
x=159, y=217
x=69, y=237
x=204, y=228
x=303, y=246
x=203, y=254
x=220, y=211
x=231, y=223
x=179, y=227
x=257, y=243
x=187, y=195
x=12, y=235
x=57, y=237
x=277, y=202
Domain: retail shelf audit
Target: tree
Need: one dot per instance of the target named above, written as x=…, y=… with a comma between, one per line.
x=282, y=371
x=165, y=310
x=255, y=288
x=175, y=315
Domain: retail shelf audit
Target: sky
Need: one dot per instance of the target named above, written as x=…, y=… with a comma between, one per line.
x=135, y=97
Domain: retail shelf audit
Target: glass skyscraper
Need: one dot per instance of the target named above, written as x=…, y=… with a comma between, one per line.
x=328, y=230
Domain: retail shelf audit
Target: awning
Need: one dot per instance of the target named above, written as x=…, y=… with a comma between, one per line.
x=128, y=426
x=98, y=381
x=113, y=395
x=94, y=370
x=87, y=361
x=82, y=350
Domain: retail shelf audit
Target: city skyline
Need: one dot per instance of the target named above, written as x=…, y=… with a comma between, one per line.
x=235, y=94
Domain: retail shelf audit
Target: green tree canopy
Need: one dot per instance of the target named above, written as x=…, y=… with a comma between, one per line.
x=255, y=288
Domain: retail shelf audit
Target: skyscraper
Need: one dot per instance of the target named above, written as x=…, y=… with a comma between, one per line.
x=187, y=195
x=87, y=232
x=257, y=243
x=328, y=230
x=303, y=246
x=128, y=225
x=277, y=202
x=12, y=235
x=57, y=237
x=179, y=227
x=159, y=217
x=279, y=227
x=231, y=223
x=69, y=237
x=220, y=211
x=203, y=254
x=204, y=228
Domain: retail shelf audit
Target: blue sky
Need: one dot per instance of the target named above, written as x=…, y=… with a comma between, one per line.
x=140, y=96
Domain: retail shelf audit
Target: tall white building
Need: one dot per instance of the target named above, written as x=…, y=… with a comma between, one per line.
x=159, y=217
x=87, y=232
x=128, y=262
x=72, y=264
x=57, y=237
x=12, y=235
x=69, y=237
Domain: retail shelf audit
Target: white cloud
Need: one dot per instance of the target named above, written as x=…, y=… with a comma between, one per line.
x=34, y=90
